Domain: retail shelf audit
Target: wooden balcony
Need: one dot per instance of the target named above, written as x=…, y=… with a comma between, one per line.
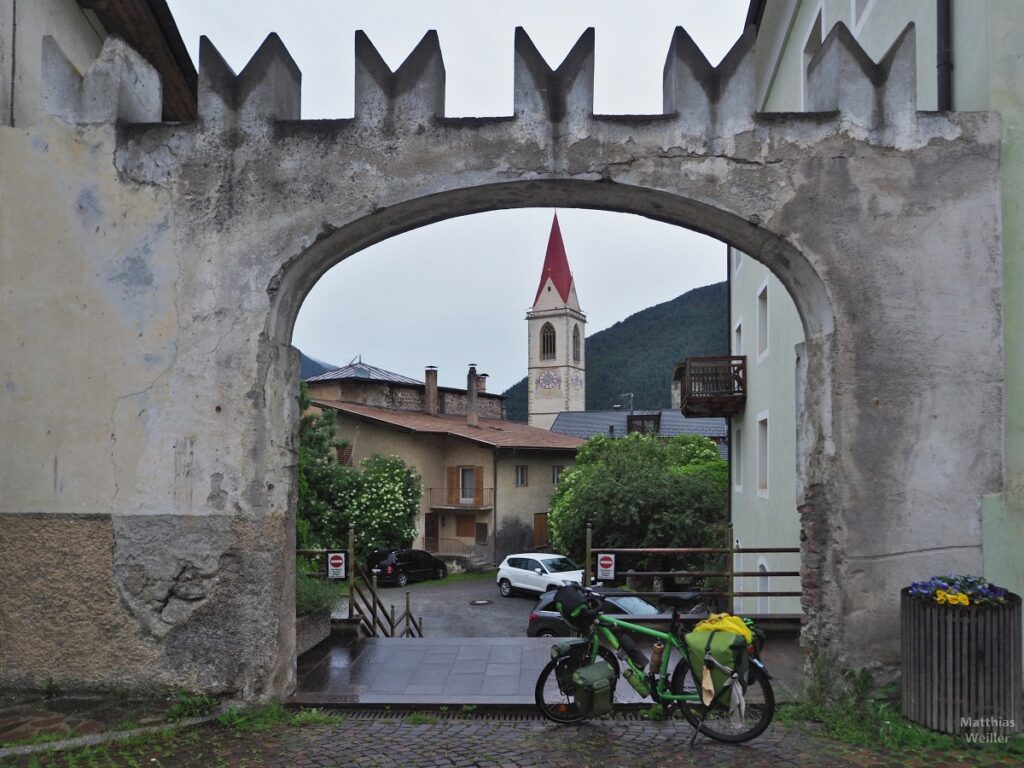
x=712, y=386
x=461, y=498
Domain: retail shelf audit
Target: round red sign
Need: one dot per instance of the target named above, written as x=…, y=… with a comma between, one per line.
x=605, y=561
x=337, y=561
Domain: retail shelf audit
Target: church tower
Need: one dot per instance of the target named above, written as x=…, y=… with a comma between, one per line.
x=557, y=378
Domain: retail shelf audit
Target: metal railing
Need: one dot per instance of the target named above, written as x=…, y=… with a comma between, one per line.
x=729, y=573
x=364, y=603
x=461, y=498
x=451, y=547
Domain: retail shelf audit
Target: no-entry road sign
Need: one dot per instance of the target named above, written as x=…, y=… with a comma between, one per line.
x=336, y=565
x=605, y=567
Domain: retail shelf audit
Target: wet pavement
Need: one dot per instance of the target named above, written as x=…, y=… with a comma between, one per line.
x=493, y=671
x=440, y=670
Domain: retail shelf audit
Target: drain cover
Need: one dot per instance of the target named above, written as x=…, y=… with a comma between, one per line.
x=479, y=602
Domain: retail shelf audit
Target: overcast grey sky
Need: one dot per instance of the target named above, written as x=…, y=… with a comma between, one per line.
x=456, y=292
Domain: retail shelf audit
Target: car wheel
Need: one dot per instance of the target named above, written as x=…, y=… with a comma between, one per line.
x=402, y=579
x=550, y=587
x=441, y=572
x=546, y=633
x=505, y=587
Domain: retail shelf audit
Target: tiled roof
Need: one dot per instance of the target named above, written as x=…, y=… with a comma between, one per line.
x=586, y=424
x=497, y=433
x=556, y=265
x=364, y=371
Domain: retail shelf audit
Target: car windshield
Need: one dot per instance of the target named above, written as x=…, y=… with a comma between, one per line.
x=560, y=565
x=636, y=606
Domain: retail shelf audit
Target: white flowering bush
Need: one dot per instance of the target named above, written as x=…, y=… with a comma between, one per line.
x=383, y=504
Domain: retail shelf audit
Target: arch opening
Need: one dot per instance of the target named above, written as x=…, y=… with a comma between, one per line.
x=289, y=287
x=785, y=261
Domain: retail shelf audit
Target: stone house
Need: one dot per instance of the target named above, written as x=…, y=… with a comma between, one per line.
x=487, y=481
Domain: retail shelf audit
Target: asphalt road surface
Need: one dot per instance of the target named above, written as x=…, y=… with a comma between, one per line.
x=447, y=608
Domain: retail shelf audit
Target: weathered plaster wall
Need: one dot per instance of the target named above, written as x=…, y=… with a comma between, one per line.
x=22, y=25
x=884, y=225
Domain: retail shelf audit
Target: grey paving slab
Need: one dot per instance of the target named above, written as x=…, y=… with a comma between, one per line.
x=500, y=671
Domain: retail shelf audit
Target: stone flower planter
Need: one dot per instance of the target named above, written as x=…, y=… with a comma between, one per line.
x=311, y=629
x=962, y=666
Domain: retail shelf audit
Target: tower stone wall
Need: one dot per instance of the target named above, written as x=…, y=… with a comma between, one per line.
x=558, y=376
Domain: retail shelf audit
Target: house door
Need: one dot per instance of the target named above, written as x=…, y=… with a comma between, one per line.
x=540, y=529
x=430, y=542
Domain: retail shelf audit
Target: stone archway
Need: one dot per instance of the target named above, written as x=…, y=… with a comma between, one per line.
x=198, y=242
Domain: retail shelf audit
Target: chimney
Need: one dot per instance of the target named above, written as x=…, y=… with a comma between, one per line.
x=430, y=396
x=481, y=382
x=472, y=417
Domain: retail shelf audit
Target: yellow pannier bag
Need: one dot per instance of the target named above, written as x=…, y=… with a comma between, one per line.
x=725, y=622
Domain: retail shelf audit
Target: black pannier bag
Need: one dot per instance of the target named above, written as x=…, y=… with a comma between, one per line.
x=571, y=602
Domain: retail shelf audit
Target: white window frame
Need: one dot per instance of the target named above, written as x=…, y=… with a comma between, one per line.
x=764, y=452
x=736, y=455
x=463, y=498
x=817, y=15
x=857, y=22
x=737, y=259
x=556, y=473
x=763, y=353
x=737, y=337
x=526, y=475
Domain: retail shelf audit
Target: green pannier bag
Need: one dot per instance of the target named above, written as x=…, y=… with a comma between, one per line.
x=594, y=684
x=567, y=647
x=727, y=648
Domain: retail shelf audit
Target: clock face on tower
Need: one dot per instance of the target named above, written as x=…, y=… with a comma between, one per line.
x=548, y=384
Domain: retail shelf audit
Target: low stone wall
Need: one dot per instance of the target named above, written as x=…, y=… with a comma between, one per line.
x=311, y=629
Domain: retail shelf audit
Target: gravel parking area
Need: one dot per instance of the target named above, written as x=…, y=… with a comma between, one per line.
x=447, y=607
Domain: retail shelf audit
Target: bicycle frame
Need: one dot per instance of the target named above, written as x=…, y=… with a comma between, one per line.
x=659, y=692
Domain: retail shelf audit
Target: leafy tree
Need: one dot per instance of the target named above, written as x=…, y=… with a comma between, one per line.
x=643, y=491
x=381, y=499
x=322, y=480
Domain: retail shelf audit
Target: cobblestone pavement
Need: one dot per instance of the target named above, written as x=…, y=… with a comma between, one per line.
x=393, y=741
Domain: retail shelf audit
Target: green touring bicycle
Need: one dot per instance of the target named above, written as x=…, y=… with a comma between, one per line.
x=729, y=697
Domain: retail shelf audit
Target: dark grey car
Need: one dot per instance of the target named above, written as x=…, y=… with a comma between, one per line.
x=400, y=566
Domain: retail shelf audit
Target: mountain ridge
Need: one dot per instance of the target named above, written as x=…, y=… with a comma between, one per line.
x=636, y=354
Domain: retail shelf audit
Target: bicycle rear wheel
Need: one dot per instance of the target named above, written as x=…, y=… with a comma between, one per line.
x=718, y=723
x=555, y=693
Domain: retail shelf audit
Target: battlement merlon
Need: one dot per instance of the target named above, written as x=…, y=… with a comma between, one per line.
x=703, y=103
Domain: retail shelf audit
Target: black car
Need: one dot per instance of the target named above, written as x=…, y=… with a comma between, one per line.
x=545, y=621
x=400, y=566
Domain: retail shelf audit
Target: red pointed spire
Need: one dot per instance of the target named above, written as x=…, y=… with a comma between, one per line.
x=556, y=265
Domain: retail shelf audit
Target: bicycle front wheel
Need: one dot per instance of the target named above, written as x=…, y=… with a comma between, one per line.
x=718, y=723
x=555, y=692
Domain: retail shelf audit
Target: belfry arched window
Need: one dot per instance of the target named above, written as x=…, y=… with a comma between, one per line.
x=576, y=343
x=547, y=342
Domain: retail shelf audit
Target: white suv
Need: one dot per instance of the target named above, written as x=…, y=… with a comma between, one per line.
x=536, y=572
